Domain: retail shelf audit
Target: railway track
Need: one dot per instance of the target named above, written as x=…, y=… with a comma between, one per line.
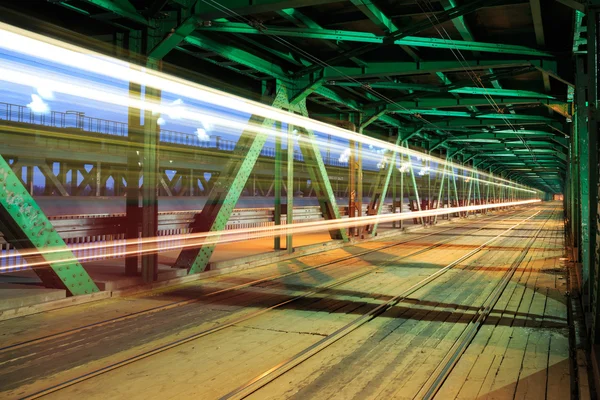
x=246, y=317
x=278, y=370
x=245, y=285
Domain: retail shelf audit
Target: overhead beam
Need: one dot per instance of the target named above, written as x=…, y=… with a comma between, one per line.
x=383, y=69
x=404, y=107
x=439, y=89
x=367, y=37
x=206, y=11
x=122, y=8
x=464, y=114
x=406, y=31
x=239, y=56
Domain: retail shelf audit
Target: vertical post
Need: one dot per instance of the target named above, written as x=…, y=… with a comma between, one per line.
x=352, y=185
x=277, y=184
x=290, y=187
x=150, y=177
x=132, y=206
x=98, y=179
x=359, y=180
x=30, y=179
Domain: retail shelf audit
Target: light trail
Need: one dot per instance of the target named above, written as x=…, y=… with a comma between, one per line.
x=150, y=245
x=39, y=47
x=24, y=75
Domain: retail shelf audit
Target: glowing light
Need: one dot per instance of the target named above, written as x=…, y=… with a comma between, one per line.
x=160, y=121
x=38, y=105
x=345, y=156
x=151, y=245
x=202, y=135
x=39, y=47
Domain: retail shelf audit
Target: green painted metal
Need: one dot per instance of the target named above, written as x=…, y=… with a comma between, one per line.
x=239, y=56
x=366, y=37
x=438, y=89
x=380, y=188
x=228, y=187
x=25, y=226
x=208, y=11
x=120, y=7
x=464, y=114
x=383, y=69
x=173, y=39
x=318, y=176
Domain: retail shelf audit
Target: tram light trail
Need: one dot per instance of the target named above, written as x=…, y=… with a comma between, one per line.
x=151, y=245
x=29, y=44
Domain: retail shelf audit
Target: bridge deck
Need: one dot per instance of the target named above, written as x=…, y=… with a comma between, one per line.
x=374, y=320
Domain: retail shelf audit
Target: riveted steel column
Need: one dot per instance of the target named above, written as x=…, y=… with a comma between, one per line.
x=380, y=188
x=25, y=227
x=313, y=162
x=228, y=187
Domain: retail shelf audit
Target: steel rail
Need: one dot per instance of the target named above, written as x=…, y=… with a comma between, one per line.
x=241, y=286
x=236, y=321
x=276, y=371
x=447, y=364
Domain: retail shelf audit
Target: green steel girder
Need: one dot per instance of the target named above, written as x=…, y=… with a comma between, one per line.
x=230, y=183
x=441, y=89
x=26, y=227
x=313, y=162
x=122, y=8
x=380, y=188
x=206, y=11
x=464, y=114
x=459, y=22
x=227, y=189
x=366, y=37
x=239, y=56
x=442, y=102
x=383, y=69
x=382, y=21
x=299, y=19
x=412, y=29
x=174, y=39
x=497, y=137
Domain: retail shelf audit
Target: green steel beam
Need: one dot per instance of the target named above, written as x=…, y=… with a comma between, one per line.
x=464, y=114
x=380, y=187
x=320, y=181
x=299, y=19
x=443, y=102
x=383, y=69
x=122, y=8
x=366, y=37
x=382, y=21
x=440, y=89
x=459, y=22
x=412, y=29
x=26, y=227
x=239, y=56
x=207, y=11
x=222, y=199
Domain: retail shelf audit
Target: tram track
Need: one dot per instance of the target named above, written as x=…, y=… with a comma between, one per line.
x=278, y=370
x=233, y=322
x=269, y=278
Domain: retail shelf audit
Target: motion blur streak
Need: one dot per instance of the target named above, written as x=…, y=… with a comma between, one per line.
x=37, y=46
x=149, y=245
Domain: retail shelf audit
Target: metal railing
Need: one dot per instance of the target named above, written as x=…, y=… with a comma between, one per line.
x=78, y=120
